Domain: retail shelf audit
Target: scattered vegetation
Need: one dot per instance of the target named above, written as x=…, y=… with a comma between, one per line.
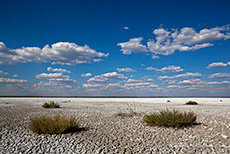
x=191, y=103
x=53, y=125
x=66, y=101
x=122, y=114
x=169, y=118
x=168, y=101
x=128, y=113
x=51, y=104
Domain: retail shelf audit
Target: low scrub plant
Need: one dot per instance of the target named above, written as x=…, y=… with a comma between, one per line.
x=191, y=103
x=128, y=113
x=51, y=104
x=53, y=125
x=122, y=114
x=172, y=118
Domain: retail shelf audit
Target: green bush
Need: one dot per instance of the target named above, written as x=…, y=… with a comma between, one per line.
x=53, y=125
x=191, y=103
x=51, y=104
x=169, y=118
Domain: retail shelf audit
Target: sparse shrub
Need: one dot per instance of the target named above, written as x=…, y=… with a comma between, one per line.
x=191, y=103
x=128, y=113
x=53, y=125
x=122, y=114
x=66, y=101
x=51, y=104
x=168, y=101
x=169, y=118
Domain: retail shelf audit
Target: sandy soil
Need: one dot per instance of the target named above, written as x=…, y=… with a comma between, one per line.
x=108, y=133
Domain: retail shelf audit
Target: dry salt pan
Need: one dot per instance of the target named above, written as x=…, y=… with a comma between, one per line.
x=108, y=133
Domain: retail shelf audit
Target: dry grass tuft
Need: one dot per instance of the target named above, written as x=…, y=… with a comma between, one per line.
x=169, y=118
x=191, y=103
x=53, y=125
x=51, y=104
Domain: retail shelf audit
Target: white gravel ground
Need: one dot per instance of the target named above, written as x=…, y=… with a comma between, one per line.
x=105, y=132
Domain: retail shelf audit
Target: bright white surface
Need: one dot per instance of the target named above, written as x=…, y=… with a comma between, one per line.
x=204, y=101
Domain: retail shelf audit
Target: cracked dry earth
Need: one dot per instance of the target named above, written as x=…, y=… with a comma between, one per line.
x=107, y=132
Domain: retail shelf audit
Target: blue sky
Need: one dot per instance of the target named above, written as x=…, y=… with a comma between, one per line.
x=115, y=48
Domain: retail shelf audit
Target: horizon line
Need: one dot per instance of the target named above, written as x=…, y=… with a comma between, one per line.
x=122, y=96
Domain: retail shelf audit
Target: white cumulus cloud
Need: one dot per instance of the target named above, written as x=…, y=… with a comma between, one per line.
x=3, y=73
x=155, y=57
x=220, y=75
x=97, y=60
x=11, y=81
x=61, y=70
x=51, y=75
x=91, y=85
x=190, y=82
x=55, y=79
x=61, y=53
x=167, y=42
x=133, y=81
x=107, y=77
x=219, y=83
x=86, y=75
x=216, y=65
x=125, y=70
x=173, y=86
x=133, y=46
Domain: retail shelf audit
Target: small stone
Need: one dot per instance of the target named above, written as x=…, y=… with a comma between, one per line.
x=224, y=136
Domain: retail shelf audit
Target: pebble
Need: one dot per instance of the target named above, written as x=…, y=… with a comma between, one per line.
x=224, y=136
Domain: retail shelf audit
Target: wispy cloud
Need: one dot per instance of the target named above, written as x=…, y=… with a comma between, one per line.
x=171, y=68
x=140, y=84
x=180, y=76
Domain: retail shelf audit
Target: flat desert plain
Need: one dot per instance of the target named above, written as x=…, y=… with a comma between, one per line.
x=106, y=130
